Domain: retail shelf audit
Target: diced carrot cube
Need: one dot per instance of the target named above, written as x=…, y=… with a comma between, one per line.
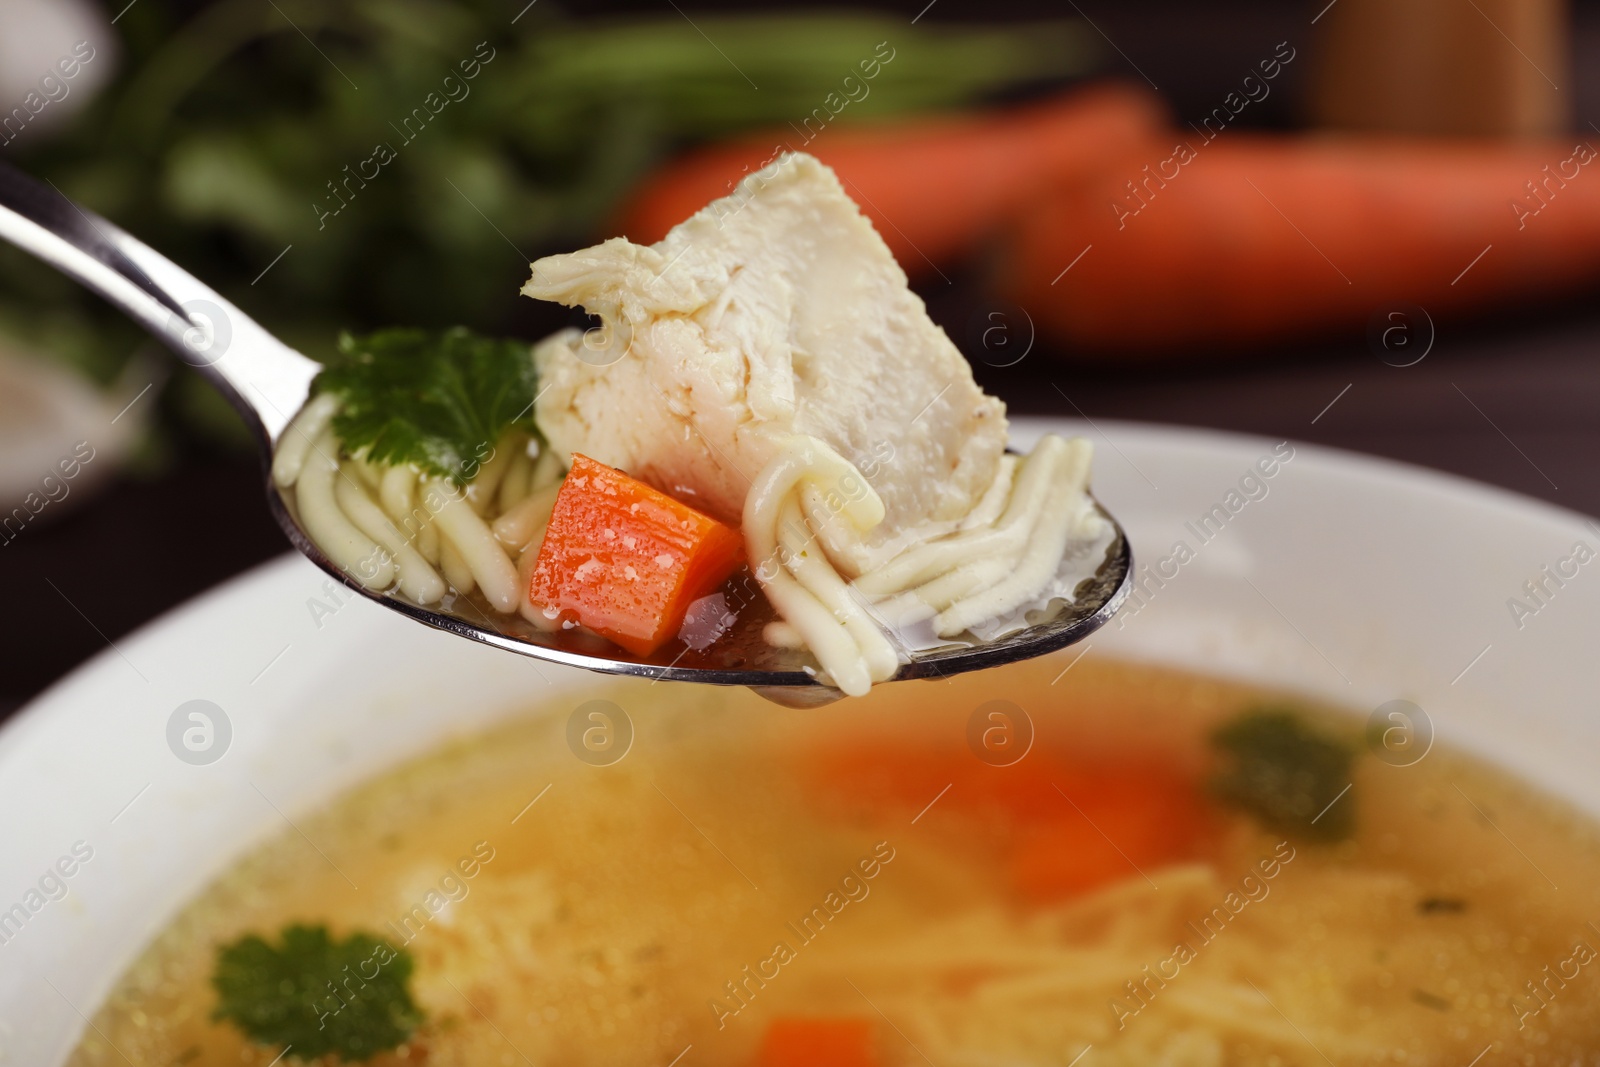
x=626, y=560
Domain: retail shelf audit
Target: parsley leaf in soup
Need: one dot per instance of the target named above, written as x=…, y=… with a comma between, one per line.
x=439, y=400
x=1286, y=774
x=316, y=995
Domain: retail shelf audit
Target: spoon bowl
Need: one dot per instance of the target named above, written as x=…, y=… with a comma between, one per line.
x=269, y=382
x=739, y=655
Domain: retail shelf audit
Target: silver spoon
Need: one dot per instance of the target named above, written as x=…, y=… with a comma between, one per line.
x=268, y=382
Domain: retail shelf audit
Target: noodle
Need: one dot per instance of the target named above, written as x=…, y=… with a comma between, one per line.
x=297, y=440
x=820, y=579
x=920, y=565
x=389, y=525
x=455, y=568
x=515, y=485
x=993, y=503
x=482, y=488
x=850, y=664
x=527, y=519
x=418, y=580
x=349, y=549
x=983, y=982
x=395, y=491
x=370, y=475
x=1001, y=556
x=475, y=543
x=1045, y=544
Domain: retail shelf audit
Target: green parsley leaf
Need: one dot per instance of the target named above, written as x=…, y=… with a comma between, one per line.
x=1286, y=774
x=440, y=400
x=316, y=995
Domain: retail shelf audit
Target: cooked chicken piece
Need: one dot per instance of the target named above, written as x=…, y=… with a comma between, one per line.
x=775, y=311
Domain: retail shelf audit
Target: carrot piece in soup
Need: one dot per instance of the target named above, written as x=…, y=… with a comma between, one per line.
x=625, y=560
x=1107, y=828
x=818, y=1043
x=1068, y=826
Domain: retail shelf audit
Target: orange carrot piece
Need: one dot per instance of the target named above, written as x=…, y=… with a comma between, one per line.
x=625, y=560
x=1259, y=239
x=1108, y=828
x=1068, y=823
x=818, y=1043
x=935, y=188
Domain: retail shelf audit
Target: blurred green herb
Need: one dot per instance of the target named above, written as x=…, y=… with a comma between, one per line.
x=317, y=995
x=219, y=140
x=438, y=400
x=1286, y=774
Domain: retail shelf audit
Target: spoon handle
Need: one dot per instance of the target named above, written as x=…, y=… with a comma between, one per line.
x=265, y=379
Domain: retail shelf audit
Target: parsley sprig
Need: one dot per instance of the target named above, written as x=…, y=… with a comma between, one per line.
x=316, y=995
x=1287, y=774
x=439, y=400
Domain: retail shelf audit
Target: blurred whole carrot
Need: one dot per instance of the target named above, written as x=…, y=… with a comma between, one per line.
x=935, y=187
x=1251, y=240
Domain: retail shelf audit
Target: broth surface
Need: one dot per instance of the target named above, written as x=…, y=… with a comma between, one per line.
x=742, y=864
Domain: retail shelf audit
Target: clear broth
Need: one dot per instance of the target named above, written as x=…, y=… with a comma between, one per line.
x=633, y=912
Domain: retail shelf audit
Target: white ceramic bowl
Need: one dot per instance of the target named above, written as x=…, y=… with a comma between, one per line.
x=1348, y=578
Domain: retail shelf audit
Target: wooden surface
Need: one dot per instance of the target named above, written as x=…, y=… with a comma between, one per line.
x=1489, y=67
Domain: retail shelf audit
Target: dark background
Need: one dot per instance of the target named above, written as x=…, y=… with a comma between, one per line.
x=1515, y=403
